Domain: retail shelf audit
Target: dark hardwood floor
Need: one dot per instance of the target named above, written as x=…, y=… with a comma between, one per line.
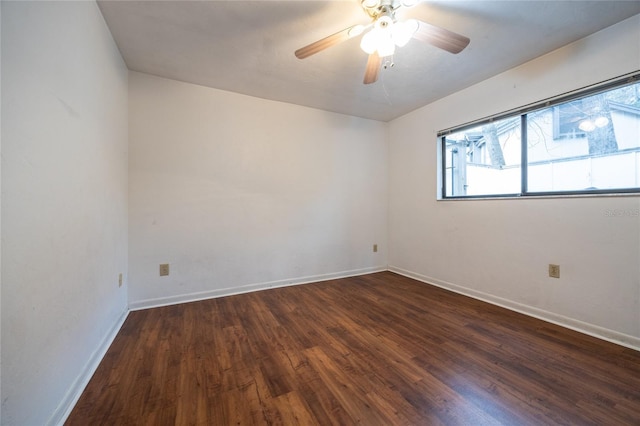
x=379, y=349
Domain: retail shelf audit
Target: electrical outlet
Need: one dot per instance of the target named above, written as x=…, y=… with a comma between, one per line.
x=120, y=280
x=554, y=271
x=375, y=248
x=164, y=269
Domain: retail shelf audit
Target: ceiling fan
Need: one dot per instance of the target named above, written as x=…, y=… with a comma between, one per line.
x=384, y=33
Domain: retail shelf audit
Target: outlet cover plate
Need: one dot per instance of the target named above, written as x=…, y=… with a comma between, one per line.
x=554, y=271
x=164, y=269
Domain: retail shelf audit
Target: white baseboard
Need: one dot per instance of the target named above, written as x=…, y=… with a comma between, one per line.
x=210, y=294
x=75, y=391
x=64, y=409
x=573, y=324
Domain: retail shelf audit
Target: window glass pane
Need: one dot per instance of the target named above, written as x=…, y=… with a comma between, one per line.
x=484, y=160
x=587, y=144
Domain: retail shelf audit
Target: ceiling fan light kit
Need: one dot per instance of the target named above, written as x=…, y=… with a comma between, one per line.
x=385, y=33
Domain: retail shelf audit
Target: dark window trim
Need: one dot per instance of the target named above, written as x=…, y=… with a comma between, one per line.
x=549, y=102
x=584, y=92
x=524, y=162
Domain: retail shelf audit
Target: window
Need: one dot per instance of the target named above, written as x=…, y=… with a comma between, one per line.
x=588, y=142
x=484, y=160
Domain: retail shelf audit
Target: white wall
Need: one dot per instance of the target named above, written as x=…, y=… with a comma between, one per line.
x=64, y=203
x=238, y=193
x=499, y=249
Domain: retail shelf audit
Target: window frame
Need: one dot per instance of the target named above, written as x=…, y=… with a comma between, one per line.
x=611, y=84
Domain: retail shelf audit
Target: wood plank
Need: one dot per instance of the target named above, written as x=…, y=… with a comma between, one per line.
x=379, y=349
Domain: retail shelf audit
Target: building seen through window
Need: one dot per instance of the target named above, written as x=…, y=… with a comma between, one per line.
x=589, y=144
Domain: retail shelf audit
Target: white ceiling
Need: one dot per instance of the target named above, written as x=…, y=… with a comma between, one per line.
x=247, y=46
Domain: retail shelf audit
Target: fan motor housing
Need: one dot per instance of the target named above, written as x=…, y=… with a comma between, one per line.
x=377, y=8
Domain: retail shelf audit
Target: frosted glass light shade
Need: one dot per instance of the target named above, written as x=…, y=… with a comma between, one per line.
x=587, y=126
x=369, y=42
x=386, y=35
x=386, y=47
x=601, y=121
x=591, y=125
x=401, y=32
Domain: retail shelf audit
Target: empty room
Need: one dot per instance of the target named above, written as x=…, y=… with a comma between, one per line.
x=375, y=212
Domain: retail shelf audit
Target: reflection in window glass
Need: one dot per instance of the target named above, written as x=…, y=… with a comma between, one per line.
x=588, y=144
x=484, y=160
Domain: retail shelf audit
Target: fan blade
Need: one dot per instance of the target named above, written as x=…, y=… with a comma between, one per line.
x=440, y=37
x=373, y=68
x=332, y=40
